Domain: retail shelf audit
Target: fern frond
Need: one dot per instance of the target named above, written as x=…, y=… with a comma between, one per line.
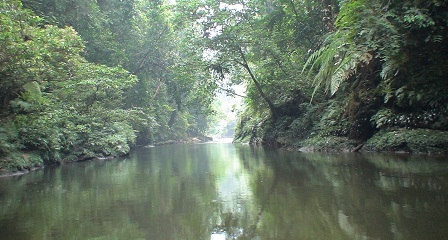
x=335, y=62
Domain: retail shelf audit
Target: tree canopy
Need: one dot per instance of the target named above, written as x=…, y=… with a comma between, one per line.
x=81, y=79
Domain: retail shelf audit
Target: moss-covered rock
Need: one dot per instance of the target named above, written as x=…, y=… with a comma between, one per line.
x=409, y=140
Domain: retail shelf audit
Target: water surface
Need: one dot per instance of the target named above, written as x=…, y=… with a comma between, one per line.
x=226, y=191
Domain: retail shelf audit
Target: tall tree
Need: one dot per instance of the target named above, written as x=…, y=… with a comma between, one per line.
x=258, y=43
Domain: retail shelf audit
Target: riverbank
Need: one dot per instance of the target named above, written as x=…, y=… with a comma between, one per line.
x=312, y=136
x=20, y=162
x=198, y=139
x=417, y=141
x=399, y=141
x=27, y=165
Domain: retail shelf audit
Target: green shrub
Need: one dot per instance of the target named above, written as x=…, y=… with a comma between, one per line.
x=302, y=127
x=333, y=122
x=413, y=140
x=385, y=118
x=20, y=161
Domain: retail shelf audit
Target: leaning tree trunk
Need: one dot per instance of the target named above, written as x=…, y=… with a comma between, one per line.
x=271, y=105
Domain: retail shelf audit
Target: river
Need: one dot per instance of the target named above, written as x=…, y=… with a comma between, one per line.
x=223, y=191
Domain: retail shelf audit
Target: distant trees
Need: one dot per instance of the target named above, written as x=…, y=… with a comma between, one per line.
x=138, y=36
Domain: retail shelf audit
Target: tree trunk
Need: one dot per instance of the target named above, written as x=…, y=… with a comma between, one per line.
x=330, y=8
x=271, y=105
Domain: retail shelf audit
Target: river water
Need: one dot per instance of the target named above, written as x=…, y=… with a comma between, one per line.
x=226, y=191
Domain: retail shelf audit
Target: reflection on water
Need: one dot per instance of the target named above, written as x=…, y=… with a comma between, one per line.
x=224, y=191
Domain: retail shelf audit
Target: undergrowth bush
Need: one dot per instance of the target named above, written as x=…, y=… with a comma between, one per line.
x=409, y=140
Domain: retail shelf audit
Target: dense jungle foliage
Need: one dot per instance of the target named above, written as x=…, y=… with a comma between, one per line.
x=378, y=73
x=87, y=78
